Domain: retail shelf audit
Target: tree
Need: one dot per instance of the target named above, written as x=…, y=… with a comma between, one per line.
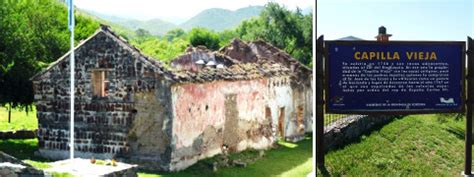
x=33, y=34
x=141, y=35
x=290, y=31
x=163, y=49
x=17, y=55
x=205, y=37
x=226, y=36
x=175, y=33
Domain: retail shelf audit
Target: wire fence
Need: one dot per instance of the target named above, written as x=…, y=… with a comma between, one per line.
x=331, y=118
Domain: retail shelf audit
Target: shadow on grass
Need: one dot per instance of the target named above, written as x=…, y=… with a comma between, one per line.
x=274, y=163
x=22, y=149
x=324, y=171
x=456, y=131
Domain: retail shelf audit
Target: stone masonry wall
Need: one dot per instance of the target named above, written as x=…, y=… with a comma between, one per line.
x=104, y=127
x=238, y=114
x=350, y=128
x=209, y=115
x=19, y=134
x=150, y=134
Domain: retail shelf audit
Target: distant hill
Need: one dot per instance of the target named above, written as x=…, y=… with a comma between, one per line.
x=125, y=32
x=215, y=19
x=220, y=19
x=154, y=26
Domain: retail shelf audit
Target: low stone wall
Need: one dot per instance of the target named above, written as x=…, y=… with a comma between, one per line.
x=20, y=134
x=347, y=130
x=12, y=167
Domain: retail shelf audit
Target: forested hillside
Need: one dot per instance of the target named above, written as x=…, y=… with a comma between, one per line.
x=220, y=19
x=154, y=26
x=216, y=19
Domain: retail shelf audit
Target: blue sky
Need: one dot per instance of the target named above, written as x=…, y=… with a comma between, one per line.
x=174, y=10
x=451, y=20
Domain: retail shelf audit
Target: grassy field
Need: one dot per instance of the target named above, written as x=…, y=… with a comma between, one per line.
x=19, y=120
x=290, y=159
x=418, y=145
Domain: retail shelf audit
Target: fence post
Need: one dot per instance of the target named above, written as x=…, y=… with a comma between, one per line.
x=469, y=107
x=319, y=102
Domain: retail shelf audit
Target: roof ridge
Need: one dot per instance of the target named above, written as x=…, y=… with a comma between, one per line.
x=280, y=51
x=106, y=30
x=54, y=63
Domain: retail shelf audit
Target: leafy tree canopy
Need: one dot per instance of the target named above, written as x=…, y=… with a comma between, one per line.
x=205, y=37
x=33, y=34
x=285, y=29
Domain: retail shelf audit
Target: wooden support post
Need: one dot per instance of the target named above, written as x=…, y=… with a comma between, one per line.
x=469, y=107
x=319, y=102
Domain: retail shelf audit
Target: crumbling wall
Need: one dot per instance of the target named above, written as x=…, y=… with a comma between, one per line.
x=299, y=119
x=308, y=112
x=309, y=116
x=295, y=103
x=209, y=115
x=150, y=134
x=102, y=124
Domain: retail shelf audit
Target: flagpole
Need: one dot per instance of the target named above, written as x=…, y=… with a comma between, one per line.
x=72, y=66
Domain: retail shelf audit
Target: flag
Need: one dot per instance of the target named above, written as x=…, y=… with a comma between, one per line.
x=70, y=8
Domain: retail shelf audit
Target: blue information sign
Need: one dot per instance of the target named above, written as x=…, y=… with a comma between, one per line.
x=394, y=77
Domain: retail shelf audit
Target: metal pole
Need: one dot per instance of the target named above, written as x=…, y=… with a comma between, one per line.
x=470, y=99
x=319, y=103
x=72, y=66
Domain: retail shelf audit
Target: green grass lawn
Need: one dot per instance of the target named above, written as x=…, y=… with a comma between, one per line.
x=19, y=120
x=418, y=145
x=290, y=159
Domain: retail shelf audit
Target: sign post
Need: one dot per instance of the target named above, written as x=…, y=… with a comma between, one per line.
x=469, y=105
x=319, y=103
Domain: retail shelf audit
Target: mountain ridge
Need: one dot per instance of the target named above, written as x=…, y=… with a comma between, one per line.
x=216, y=19
x=219, y=19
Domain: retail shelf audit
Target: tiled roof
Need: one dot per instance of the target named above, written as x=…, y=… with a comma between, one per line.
x=242, y=71
x=261, y=51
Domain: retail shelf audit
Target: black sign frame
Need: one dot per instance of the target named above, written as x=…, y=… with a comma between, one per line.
x=396, y=111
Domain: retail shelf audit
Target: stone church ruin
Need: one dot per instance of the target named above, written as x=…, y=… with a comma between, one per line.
x=134, y=108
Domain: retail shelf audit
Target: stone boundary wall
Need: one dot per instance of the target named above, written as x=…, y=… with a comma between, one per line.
x=12, y=167
x=349, y=129
x=19, y=134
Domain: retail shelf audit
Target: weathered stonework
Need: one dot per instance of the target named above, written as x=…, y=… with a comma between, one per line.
x=296, y=98
x=168, y=118
x=112, y=126
x=12, y=167
x=350, y=128
x=19, y=134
